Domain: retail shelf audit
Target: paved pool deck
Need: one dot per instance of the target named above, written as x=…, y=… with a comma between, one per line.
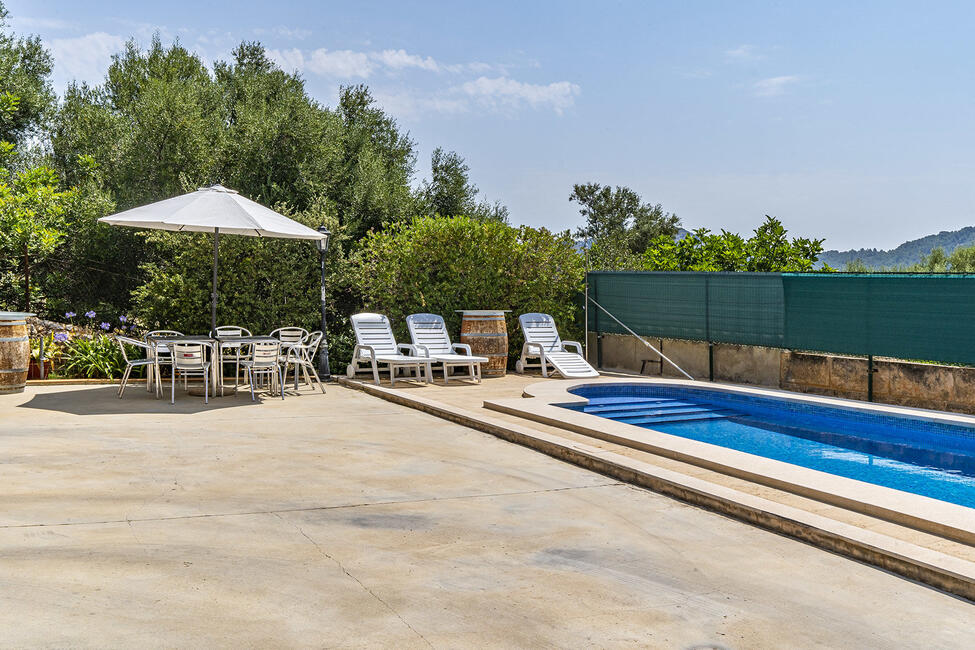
x=343, y=520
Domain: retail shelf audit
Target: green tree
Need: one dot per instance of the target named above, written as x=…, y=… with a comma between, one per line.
x=376, y=164
x=450, y=192
x=33, y=218
x=768, y=249
x=618, y=225
x=25, y=71
x=280, y=146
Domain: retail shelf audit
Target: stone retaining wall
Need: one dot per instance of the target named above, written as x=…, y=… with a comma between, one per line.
x=945, y=388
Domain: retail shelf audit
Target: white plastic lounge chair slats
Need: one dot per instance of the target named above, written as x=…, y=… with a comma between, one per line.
x=430, y=339
x=375, y=344
x=542, y=342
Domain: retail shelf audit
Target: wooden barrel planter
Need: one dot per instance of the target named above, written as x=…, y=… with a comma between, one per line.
x=486, y=332
x=14, y=351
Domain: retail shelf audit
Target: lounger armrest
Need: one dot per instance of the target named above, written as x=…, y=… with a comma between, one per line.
x=356, y=354
x=412, y=350
x=574, y=344
x=461, y=348
x=534, y=349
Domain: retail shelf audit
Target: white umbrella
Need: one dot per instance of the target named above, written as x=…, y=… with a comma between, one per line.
x=213, y=209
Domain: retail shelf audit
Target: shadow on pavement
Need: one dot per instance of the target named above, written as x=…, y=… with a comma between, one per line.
x=103, y=400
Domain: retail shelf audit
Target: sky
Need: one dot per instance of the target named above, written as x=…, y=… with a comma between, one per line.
x=848, y=121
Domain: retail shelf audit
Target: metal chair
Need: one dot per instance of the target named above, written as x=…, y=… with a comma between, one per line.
x=190, y=359
x=159, y=353
x=264, y=361
x=136, y=363
x=232, y=330
x=302, y=357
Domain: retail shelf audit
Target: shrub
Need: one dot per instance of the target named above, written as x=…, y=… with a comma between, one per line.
x=438, y=265
x=94, y=356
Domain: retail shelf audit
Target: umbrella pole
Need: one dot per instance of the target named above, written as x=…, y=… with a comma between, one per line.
x=213, y=294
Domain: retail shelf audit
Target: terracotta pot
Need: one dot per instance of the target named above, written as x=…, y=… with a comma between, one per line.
x=34, y=370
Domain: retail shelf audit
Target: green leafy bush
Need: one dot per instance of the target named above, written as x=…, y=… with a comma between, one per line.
x=438, y=265
x=95, y=356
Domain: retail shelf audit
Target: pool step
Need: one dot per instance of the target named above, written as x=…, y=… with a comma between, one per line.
x=686, y=417
x=623, y=416
x=610, y=409
x=650, y=411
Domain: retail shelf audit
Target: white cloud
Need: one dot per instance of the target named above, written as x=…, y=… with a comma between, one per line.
x=411, y=105
x=743, y=53
x=773, y=85
x=363, y=64
x=400, y=59
x=85, y=58
x=339, y=63
x=289, y=60
x=505, y=92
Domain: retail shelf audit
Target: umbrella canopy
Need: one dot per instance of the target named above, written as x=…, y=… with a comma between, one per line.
x=213, y=209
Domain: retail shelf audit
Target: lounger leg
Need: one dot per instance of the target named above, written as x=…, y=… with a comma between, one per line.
x=172, y=395
x=206, y=387
x=375, y=372
x=392, y=375
x=250, y=381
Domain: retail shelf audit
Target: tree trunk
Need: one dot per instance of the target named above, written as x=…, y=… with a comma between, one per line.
x=26, y=279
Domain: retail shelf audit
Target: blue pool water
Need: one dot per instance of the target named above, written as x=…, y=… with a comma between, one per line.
x=929, y=458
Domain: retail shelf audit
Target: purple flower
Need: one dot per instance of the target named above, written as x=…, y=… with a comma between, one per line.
x=106, y=326
x=123, y=319
x=70, y=314
x=89, y=314
x=61, y=337
x=132, y=326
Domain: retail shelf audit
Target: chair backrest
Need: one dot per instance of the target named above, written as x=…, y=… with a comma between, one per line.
x=158, y=333
x=290, y=334
x=540, y=329
x=311, y=343
x=374, y=330
x=188, y=356
x=125, y=340
x=265, y=354
x=430, y=331
x=230, y=330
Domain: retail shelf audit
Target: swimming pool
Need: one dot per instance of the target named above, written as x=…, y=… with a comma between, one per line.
x=912, y=454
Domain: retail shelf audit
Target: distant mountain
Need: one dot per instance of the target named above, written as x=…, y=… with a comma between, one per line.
x=904, y=255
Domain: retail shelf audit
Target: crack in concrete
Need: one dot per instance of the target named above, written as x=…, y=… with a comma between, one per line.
x=309, y=509
x=341, y=567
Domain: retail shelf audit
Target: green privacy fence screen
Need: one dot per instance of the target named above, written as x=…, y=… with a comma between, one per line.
x=908, y=316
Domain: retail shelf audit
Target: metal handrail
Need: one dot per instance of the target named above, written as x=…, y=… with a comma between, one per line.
x=642, y=340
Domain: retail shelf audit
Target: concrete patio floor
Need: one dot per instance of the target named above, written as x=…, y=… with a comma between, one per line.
x=342, y=520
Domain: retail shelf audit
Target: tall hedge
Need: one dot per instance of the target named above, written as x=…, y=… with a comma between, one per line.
x=439, y=265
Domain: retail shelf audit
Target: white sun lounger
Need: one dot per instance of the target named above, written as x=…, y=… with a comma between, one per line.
x=542, y=342
x=375, y=344
x=430, y=339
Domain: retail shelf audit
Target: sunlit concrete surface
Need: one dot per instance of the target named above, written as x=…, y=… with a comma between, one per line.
x=343, y=520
